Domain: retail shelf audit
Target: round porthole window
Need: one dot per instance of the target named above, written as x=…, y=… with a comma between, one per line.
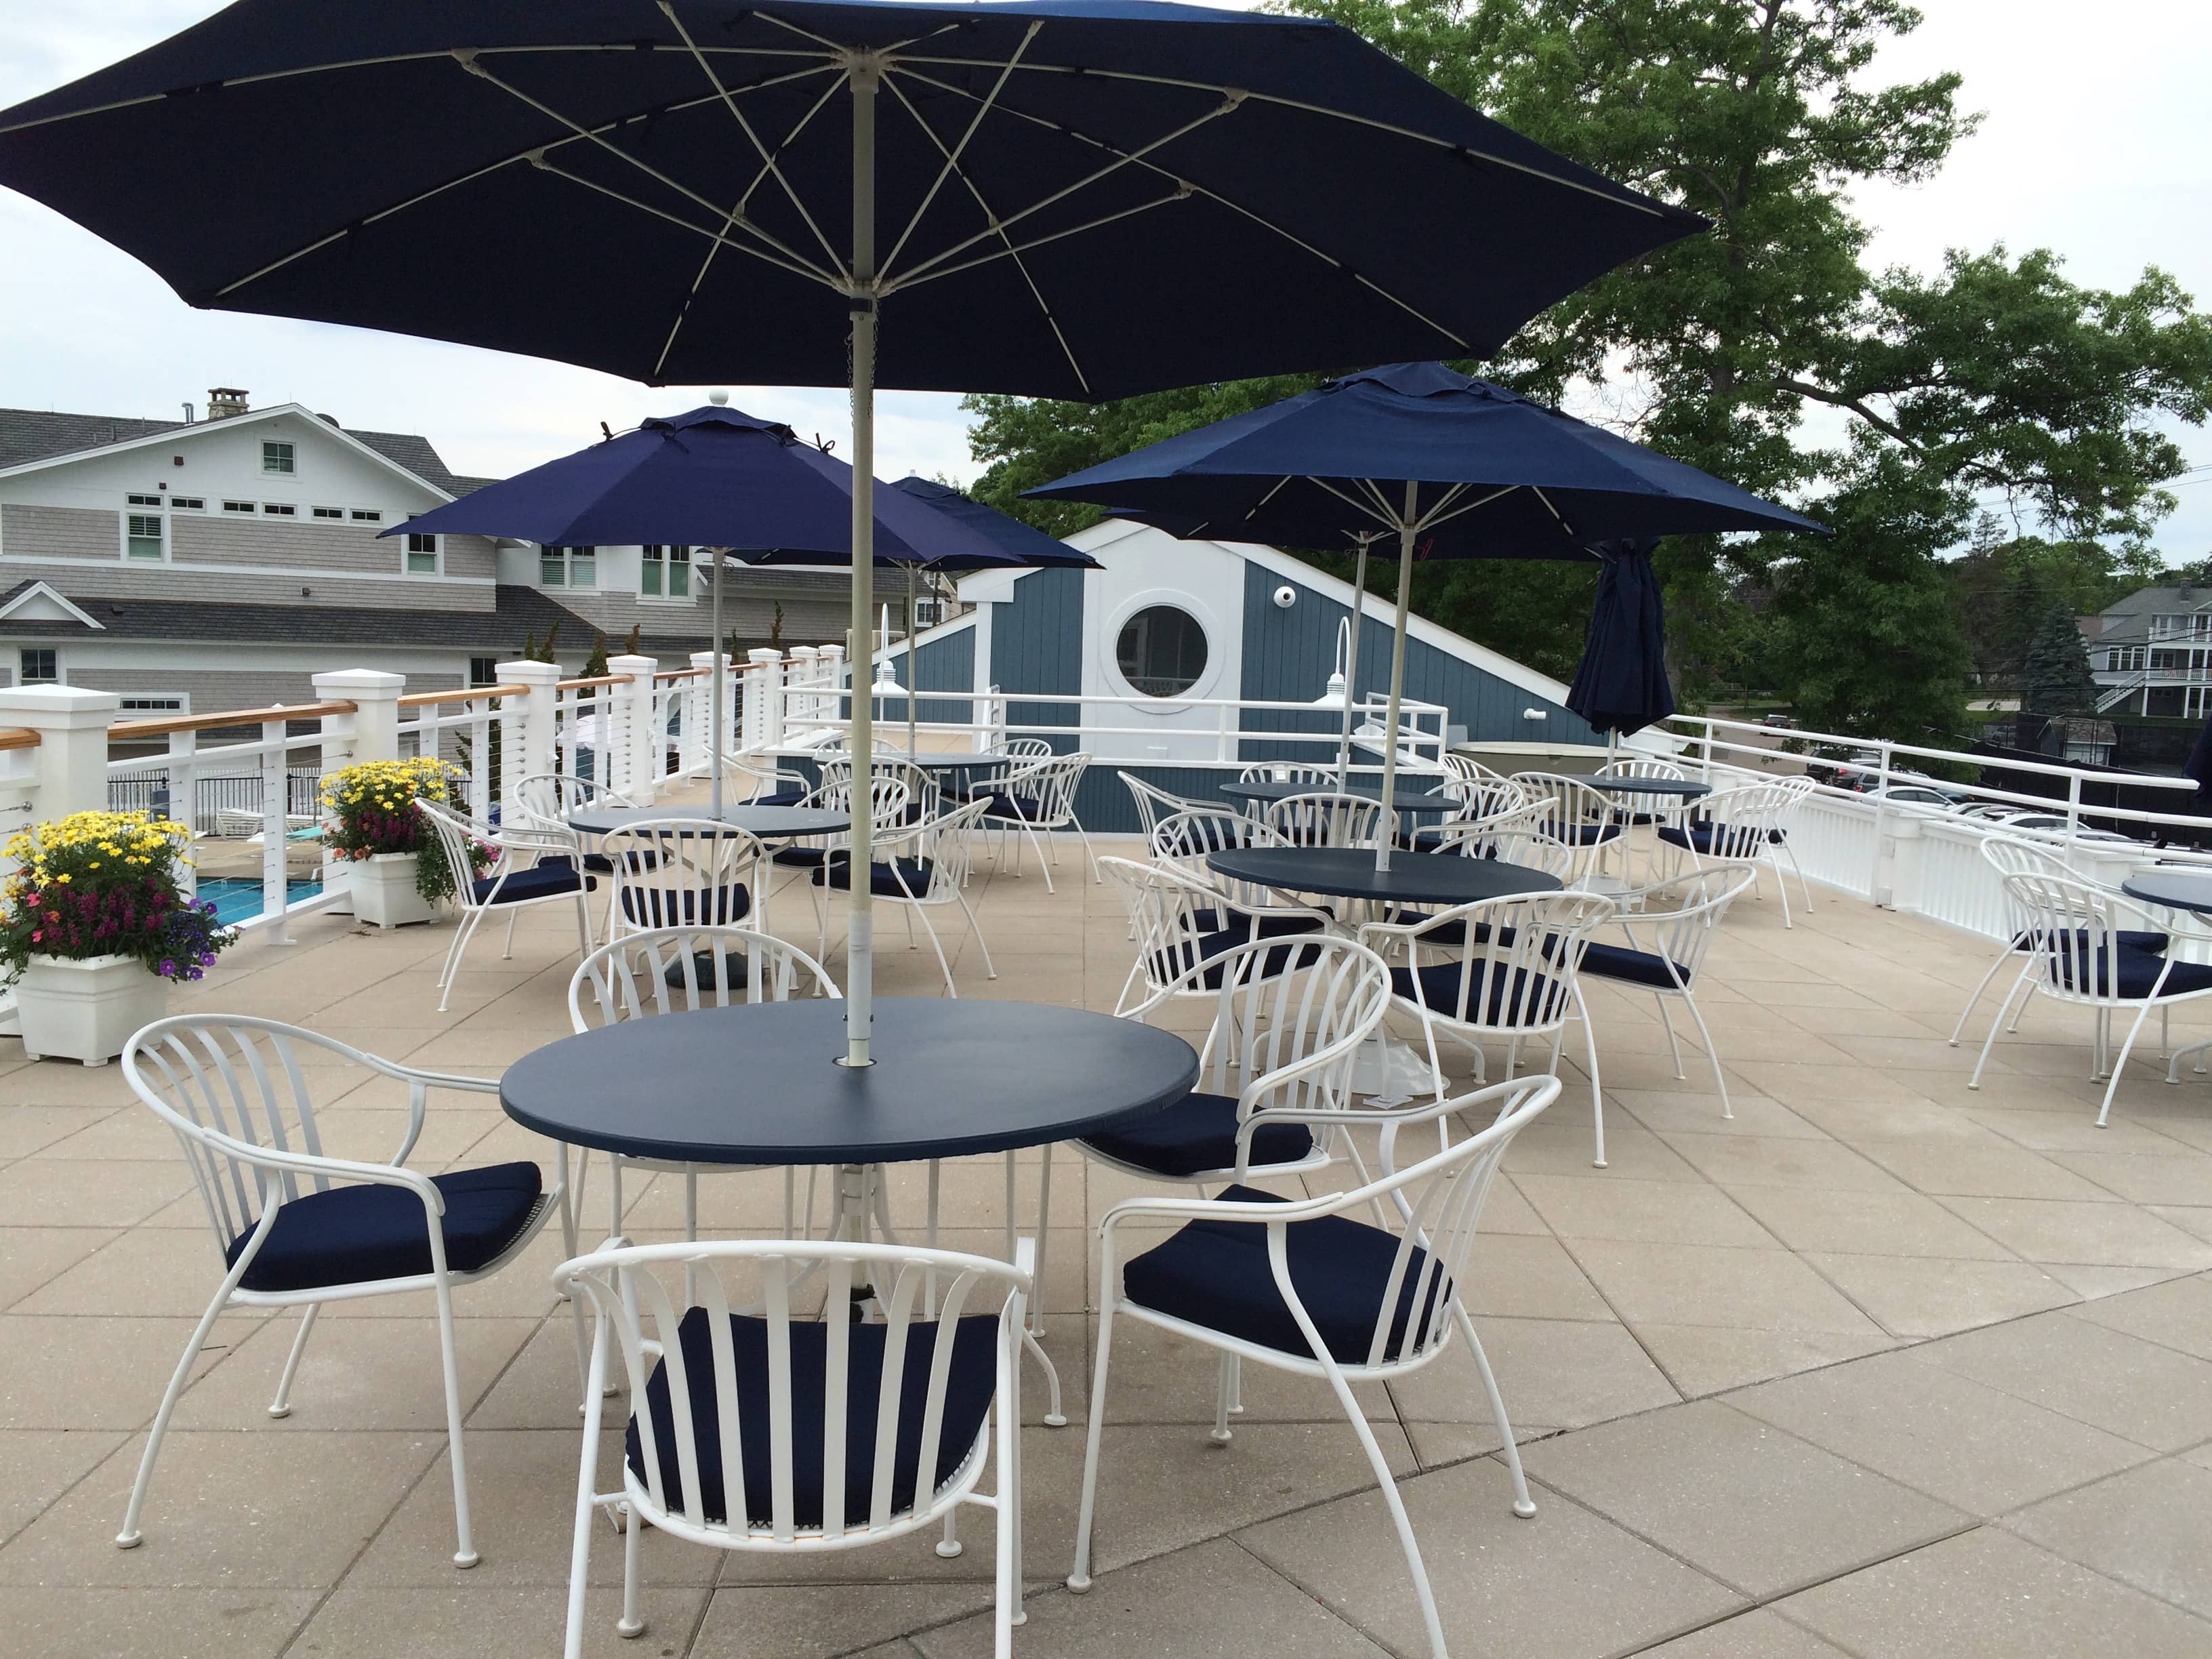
x=1161, y=651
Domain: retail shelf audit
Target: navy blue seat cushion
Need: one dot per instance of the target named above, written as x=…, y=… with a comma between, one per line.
x=1584, y=835
x=2132, y=976
x=1243, y=926
x=884, y=879
x=652, y=907
x=1521, y=992
x=800, y=858
x=1617, y=962
x=1698, y=837
x=352, y=1234
x=1215, y=1274
x=780, y=798
x=1180, y=958
x=550, y=880
x=1200, y=1133
x=1025, y=809
x=2131, y=939
x=602, y=864
x=969, y=1383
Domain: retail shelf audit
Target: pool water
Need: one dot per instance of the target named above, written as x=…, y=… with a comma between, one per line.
x=237, y=898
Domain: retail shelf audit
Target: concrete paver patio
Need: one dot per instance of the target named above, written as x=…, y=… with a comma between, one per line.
x=1882, y=1366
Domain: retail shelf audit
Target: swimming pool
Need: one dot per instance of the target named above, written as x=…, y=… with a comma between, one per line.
x=238, y=899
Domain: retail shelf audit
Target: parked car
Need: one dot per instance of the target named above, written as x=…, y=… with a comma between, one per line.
x=2036, y=821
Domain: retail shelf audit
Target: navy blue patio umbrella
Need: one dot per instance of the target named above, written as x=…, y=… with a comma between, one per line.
x=715, y=478
x=1074, y=199
x=1620, y=683
x=1455, y=467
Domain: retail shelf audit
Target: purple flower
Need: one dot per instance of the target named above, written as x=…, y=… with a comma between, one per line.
x=168, y=968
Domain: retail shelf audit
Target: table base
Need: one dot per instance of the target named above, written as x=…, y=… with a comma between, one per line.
x=1392, y=1071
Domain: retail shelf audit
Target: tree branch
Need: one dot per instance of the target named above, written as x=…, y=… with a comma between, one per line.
x=1839, y=400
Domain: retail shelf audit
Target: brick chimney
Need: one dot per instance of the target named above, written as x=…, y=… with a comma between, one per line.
x=225, y=401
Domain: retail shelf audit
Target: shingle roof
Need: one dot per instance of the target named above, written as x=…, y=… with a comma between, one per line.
x=520, y=611
x=37, y=435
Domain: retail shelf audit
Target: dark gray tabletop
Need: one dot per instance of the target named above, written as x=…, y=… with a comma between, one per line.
x=758, y=1082
x=1350, y=872
x=1684, y=788
x=929, y=763
x=2177, y=890
x=755, y=820
x=1269, y=790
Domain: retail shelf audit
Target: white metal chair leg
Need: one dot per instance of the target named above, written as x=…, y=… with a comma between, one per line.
x=465, y=1552
x=1079, y=1574
x=1597, y=1093
x=1524, y=1506
x=1043, y=866
x=1981, y=984
x=943, y=966
x=281, y=1405
x=1990, y=1042
x=1399, y=1518
x=1781, y=886
x=631, y=1624
x=1712, y=1054
x=2121, y=1065
x=1673, y=1045
x=130, y=1538
x=1096, y=878
x=506, y=949
x=976, y=928
x=580, y=1544
x=1220, y=1435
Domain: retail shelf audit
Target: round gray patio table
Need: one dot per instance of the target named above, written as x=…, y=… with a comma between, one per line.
x=2174, y=889
x=753, y=820
x=761, y=1082
x=1271, y=790
x=1446, y=879
x=1680, y=788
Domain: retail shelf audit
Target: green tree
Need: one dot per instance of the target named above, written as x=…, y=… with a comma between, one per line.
x=2058, y=680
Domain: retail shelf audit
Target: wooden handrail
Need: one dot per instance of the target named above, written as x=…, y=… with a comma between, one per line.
x=680, y=674
x=602, y=679
x=125, y=730
x=19, y=736
x=426, y=699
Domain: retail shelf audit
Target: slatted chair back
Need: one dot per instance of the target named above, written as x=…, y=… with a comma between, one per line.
x=1321, y=777
x=1325, y=818
x=751, y=1433
x=1642, y=766
x=545, y=799
x=772, y=785
x=1504, y=965
x=1152, y=802
x=1170, y=915
x=1678, y=919
x=1525, y=842
x=1047, y=789
x=1482, y=798
x=668, y=971
x=2073, y=928
x=887, y=796
x=1027, y=749
x=1478, y=835
x=1185, y=840
x=1289, y=1021
x=515, y=846
x=925, y=795
x=694, y=872
x=2011, y=856
x=1577, y=813
x=1465, y=769
x=1739, y=823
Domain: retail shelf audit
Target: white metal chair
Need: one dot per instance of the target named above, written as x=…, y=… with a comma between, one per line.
x=1501, y=969
x=687, y=873
x=681, y=969
x=1325, y=819
x=1743, y=826
x=1153, y=803
x=1035, y=797
x=1321, y=777
x=1467, y=771
x=296, y=1228
x=1678, y=919
x=1795, y=793
x=1303, y=1286
x=1182, y=924
x=784, y=1434
x=531, y=867
x=2076, y=944
x=1585, y=818
x=927, y=867
x=544, y=801
x=772, y=785
x=887, y=797
x=1012, y=756
x=1649, y=808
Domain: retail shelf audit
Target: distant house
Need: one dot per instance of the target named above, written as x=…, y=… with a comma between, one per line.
x=196, y=565
x=2151, y=653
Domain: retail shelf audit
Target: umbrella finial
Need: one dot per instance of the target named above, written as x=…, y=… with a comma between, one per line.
x=719, y=397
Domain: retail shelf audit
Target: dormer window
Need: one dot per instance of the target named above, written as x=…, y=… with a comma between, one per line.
x=276, y=457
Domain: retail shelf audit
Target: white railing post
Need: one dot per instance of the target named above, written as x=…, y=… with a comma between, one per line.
x=801, y=674
x=71, y=759
x=1881, y=821
x=184, y=788
x=370, y=732
x=2073, y=813
x=1224, y=743
x=698, y=722
x=636, y=740
x=764, y=705
x=276, y=889
x=527, y=748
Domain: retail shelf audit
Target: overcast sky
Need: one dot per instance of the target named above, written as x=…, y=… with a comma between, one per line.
x=2097, y=143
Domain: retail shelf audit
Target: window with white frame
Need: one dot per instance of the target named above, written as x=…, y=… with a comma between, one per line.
x=238, y=507
x=176, y=705
x=483, y=671
x=422, y=555
x=280, y=509
x=330, y=512
x=36, y=665
x=367, y=515
x=276, y=457
x=665, y=571
x=142, y=535
x=187, y=504
x=568, y=567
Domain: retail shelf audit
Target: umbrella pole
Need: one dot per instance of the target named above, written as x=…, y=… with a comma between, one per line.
x=913, y=673
x=863, y=79
x=1387, y=829
x=715, y=699
x=1351, y=661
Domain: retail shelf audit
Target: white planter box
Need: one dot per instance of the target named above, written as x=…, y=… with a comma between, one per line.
x=86, y=1010
x=383, y=889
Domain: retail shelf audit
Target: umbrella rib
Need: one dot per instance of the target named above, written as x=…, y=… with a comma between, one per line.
x=1436, y=518
x=1014, y=250
x=952, y=155
x=1553, y=511
x=1010, y=251
x=1386, y=516
x=767, y=155
x=797, y=270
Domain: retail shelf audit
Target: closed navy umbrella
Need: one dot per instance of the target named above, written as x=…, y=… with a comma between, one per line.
x=1075, y=198
x=714, y=478
x=1620, y=683
x=1456, y=468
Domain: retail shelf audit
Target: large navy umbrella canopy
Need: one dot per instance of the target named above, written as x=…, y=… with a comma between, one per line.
x=1620, y=683
x=1024, y=541
x=1311, y=470
x=714, y=477
x=1075, y=198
